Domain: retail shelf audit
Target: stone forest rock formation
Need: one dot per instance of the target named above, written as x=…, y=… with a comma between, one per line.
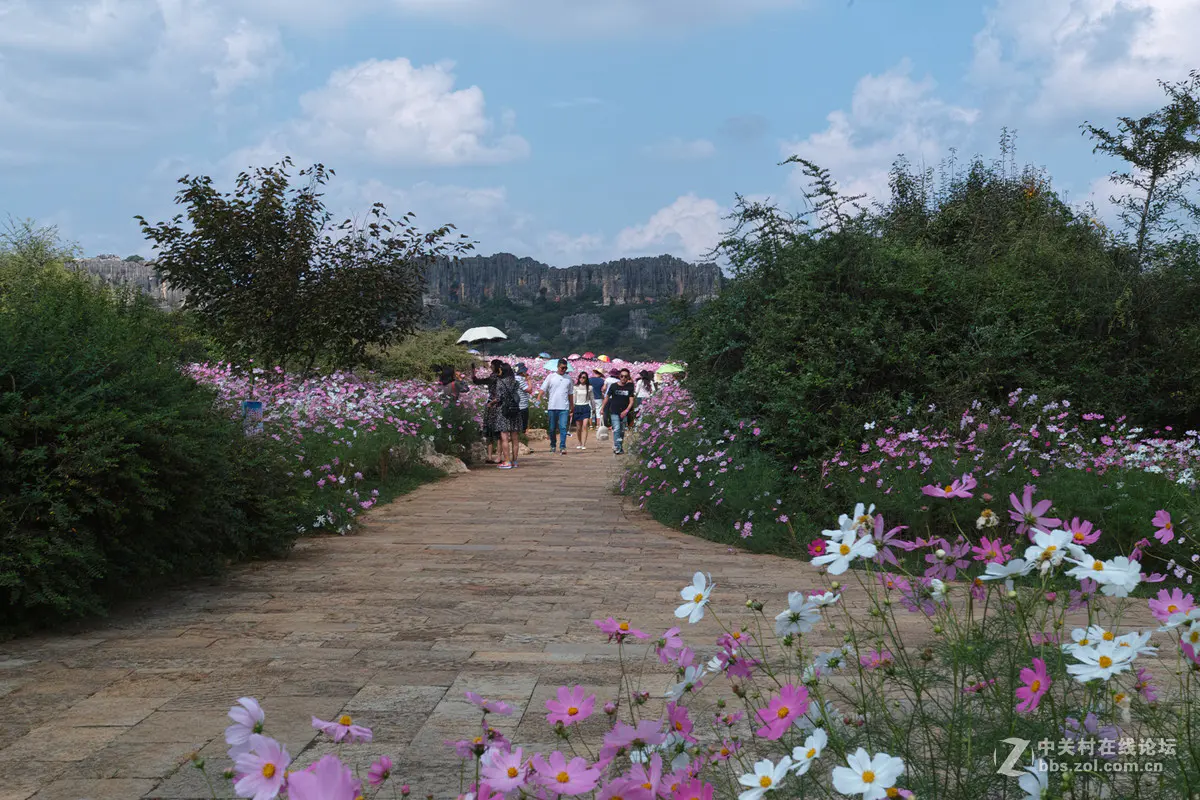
x=140, y=275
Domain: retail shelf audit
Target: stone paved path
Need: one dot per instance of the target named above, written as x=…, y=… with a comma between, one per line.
x=487, y=581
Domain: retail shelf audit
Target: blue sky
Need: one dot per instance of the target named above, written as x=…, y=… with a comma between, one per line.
x=568, y=130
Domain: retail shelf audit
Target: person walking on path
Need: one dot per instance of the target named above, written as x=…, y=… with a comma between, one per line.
x=619, y=402
x=643, y=390
x=522, y=372
x=449, y=384
x=557, y=388
x=491, y=431
x=582, y=408
x=597, y=381
x=508, y=415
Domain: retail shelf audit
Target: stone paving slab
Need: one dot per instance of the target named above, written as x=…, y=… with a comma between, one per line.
x=488, y=581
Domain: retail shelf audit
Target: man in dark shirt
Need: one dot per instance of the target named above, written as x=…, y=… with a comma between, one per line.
x=618, y=402
x=597, y=381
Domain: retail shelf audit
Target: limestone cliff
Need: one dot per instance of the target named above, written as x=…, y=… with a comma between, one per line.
x=475, y=280
x=140, y=275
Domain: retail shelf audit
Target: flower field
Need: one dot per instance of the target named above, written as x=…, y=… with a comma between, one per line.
x=342, y=433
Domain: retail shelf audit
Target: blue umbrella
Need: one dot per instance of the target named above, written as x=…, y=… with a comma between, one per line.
x=552, y=365
x=543, y=355
x=473, y=352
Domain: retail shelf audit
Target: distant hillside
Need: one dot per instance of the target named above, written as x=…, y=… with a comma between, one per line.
x=116, y=271
x=629, y=281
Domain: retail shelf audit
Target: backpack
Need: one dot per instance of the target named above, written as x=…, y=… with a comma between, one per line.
x=510, y=405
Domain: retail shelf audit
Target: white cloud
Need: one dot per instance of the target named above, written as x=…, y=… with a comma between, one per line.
x=392, y=112
x=676, y=149
x=689, y=228
x=251, y=54
x=890, y=115
x=1059, y=59
x=591, y=18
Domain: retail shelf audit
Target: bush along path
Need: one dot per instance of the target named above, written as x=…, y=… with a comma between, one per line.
x=490, y=582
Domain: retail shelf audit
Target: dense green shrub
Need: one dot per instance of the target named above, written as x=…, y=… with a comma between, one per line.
x=116, y=473
x=990, y=284
x=421, y=355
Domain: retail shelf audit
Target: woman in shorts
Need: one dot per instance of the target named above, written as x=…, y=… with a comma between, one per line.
x=581, y=410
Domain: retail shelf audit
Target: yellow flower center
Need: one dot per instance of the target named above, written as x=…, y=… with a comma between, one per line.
x=1105, y=662
x=1098, y=566
x=562, y=777
x=678, y=726
x=647, y=786
x=1194, y=637
x=724, y=752
x=987, y=512
x=948, y=489
x=1171, y=609
x=868, y=777
x=765, y=781
x=699, y=596
x=844, y=549
x=812, y=753
x=737, y=635
x=783, y=712
x=1119, y=698
x=863, y=520
x=1108, y=636
x=624, y=626
x=893, y=791
x=268, y=770
x=1035, y=686
x=1078, y=536
x=513, y=772
x=1083, y=642
x=1168, y=526
x=572, y=711
x=478, y=740
x=344, y=719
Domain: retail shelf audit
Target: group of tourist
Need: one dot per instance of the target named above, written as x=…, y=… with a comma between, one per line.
x=586, y=402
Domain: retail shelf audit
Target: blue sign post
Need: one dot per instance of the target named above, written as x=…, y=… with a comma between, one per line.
x=252, y=417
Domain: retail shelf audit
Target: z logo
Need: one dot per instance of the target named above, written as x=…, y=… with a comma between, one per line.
x=1006, y=768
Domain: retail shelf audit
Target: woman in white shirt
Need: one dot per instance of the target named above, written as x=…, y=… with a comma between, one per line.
x=581, y=409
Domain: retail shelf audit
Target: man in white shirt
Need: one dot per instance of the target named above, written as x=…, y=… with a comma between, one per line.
x=557, y=386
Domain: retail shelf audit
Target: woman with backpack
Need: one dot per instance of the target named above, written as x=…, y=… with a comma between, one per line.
x=508, y=415
x=491, y=430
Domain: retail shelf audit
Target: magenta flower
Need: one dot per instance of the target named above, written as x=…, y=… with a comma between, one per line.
x=874, y=659
x=261, y=768
x=343, y=728
x=618, y=630
x=328, y=779
x=1027, y=515
x=505, y=771
x=961, y=487
x=782, y=711
x=678, y=721
x=624, y=789
x=992, y=551
x=816, y=547
x=380, y=771
x=1166, y=528
x=648, y=777
x=563, y=777
x=695, y=789
x=490, y=706
x=571, y=707
x=1144, y=687
x=1037, y=683
x=1081, y=532
x=669, y=645
x=1168, y=603
x=885, y=541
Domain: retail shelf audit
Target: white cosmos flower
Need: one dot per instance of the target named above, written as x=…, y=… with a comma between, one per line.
x=1191, y=636
x=839, y=553
x=860, y=520
x=1083, y=638
x=695, y=596
x=1117, y=577
x=937, y=590
x=803, y=756
x=1048, y=549
x=1035, y=783
x=1101, y=661
x=691, y=676
x=994, y=571
x=766, y=777
x=1181, y=618
x=816, y=715
x=800, y=617
x=867, y=775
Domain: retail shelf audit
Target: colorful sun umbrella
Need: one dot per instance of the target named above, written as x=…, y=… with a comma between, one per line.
x=543, y=355
x=473, y=351
x=589, y=355
x=574, y=357
x=667, y=369
x=604, y=358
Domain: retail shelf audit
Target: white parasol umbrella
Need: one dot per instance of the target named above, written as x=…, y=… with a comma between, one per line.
x=482, y=336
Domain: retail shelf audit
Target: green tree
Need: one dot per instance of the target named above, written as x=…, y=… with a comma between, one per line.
x=1160, y=150
x=274, y=280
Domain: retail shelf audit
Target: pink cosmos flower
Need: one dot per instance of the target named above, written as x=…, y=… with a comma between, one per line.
x=618, y=630
x=884, y=541
x=328, y=779
x=669, y=645
x=343, y=728
x=648, y=777
x=678, y=721
x=1168, y=603
x=874, y=659
x=1081, y=532
x=562, y=777
x=645, y=734
x=961, y=487
x=816, y=547
x=505, y=771
x=1037, y=683
x=262, y=768
x=380, y=771
x=490, y=706
x=572, y=706
x=1166, y=528
x=1144, y=687
x=782, y=711
x=1027, y=515
x=695, y=789
x=992, y=551
x=624, y=789
x=248, y=718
